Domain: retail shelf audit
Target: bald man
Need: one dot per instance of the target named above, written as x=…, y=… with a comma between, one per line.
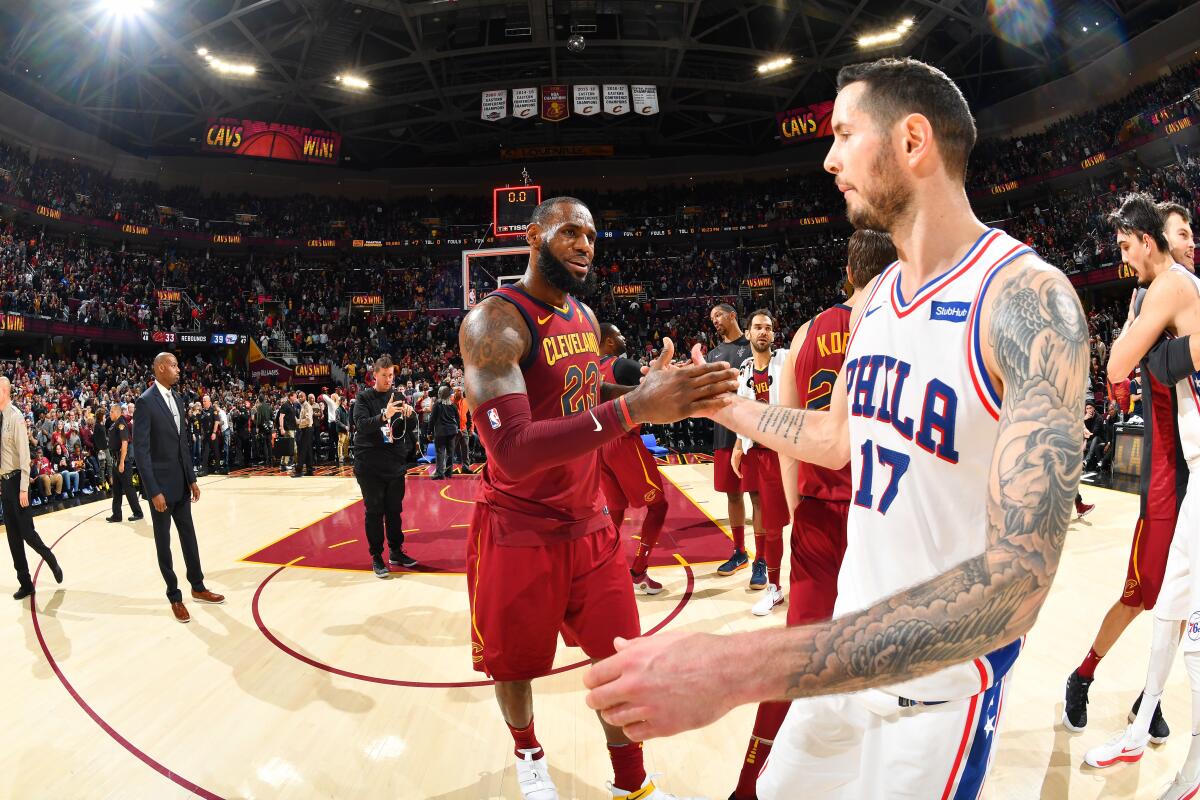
x=14, y=491
x=160, y=442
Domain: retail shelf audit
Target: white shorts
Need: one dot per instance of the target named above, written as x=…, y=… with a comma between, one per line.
x=1179, y=597
x=865, y=745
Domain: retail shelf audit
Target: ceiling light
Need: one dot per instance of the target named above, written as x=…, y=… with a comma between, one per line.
x=202, y=51
x=1085, y=28
x=229, y=67
x=774, y=65
x=353, y=82
x=887, y=37
x=126, y=8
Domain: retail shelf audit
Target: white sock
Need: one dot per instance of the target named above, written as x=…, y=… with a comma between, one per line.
x=1191, y=766
x=1163, y=642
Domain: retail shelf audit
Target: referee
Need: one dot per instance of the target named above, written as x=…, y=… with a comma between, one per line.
x=385, y=431
x=14, y=492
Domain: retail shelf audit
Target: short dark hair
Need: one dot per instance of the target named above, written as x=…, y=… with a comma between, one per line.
x=868, y=252
x=545, y=209
x=760, y=312
x=383, y=362
x=1167, y=207
x=728, y=309
x=899, y=86
x=1139, y=215
x=607, y=330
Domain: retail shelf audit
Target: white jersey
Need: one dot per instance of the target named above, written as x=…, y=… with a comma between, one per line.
x=1187, y=396
x=923, y=419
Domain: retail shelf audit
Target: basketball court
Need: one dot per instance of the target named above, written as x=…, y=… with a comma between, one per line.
x=315, y=679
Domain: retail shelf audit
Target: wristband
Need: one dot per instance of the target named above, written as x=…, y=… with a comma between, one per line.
x=623, y=406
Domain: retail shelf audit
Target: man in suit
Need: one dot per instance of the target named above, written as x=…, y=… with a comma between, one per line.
x=160, y=441
x=14, y=491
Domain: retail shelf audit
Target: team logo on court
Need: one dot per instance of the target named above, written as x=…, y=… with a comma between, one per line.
x=1193, y=626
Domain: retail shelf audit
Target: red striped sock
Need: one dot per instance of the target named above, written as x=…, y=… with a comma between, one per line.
x=1088, y=668
x=766, y=726
x=629, y=773
x=739, y=537
x=525, y=739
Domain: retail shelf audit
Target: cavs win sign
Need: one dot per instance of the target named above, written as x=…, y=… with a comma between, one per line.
x=248, y=137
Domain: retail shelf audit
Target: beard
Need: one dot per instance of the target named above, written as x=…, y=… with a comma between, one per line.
x=557, y=275
x=887, y=199
x=760, y=347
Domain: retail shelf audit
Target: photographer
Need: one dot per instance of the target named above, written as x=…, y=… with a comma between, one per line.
x=385, y=427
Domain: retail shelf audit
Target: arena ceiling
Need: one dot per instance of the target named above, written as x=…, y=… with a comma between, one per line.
x=136, y=78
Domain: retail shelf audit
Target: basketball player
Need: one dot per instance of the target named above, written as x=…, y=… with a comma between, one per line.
x=1171, y=306
x=734, y=348
x=758, y=466
x=960, y=410
x=543, y=556
x=819, y=497
x=629, y=474
x=1164, y=478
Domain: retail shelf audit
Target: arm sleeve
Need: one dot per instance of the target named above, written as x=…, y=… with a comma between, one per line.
x=627, y=372
x=1170, y=361
x=519, y=446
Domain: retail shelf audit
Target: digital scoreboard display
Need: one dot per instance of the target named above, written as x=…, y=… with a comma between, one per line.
x=248, y=137
x=512, y=206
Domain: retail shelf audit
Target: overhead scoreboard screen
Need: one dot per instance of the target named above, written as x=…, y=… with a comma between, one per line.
x=274, y=140
x=512, y=206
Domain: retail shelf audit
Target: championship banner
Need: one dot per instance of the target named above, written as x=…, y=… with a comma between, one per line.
x=311, y=373
x=525, y=102
x=629, y=291
x=554, y=103
x=805, y=123
x=616, y=99
x=248, y=137
x=587, y=99
x=494, y=106
x=366, y=302
x=164, y=296
x=645, y=99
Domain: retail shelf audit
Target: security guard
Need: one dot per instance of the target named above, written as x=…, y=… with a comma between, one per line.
x=121, y=465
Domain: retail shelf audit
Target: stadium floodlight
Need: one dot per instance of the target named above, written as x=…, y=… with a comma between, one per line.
x=201, y=51
x=774, y=65
x=126, y=8
x=353, y=81
x=229, y=67
x=887, y=37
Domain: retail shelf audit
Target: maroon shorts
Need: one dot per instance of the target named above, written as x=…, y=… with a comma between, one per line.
x=523, y=597
x=760, y=475
x=724, y=478
x=629, y=475
x=1147, y=562
x=818, y=545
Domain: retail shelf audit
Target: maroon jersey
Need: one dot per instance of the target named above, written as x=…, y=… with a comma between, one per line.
x=562, y=378
x=817, y=366
x=762, y=385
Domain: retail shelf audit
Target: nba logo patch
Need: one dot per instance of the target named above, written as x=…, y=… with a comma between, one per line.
x=493, y=418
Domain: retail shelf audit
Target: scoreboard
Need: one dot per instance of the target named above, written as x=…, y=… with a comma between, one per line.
x=512, y=206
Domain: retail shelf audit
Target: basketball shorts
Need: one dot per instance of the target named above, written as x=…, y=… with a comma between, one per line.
x=629, y=474
x=818, y=546
x=1179, y=597
x=1147, y=561
x=760, y=474
x=855, y=746
x=523, y=597
x=724, y=478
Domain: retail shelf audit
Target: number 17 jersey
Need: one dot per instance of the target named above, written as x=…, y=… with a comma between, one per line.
x=923, y=419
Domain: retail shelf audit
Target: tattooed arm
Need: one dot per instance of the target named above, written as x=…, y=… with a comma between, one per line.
x=789, y=397
x=1037, y=351
x=493, y=339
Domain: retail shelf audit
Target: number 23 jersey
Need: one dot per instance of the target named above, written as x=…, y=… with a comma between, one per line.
x=562, y=378
x=923, y=420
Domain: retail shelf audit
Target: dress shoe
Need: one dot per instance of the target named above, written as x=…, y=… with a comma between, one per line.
x=23, y=592
x=136, y=517
x=56, y=570
x=181, y=613
x=208, y=597
x=112, y=519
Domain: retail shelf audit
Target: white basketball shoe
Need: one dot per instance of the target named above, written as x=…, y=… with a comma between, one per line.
x=648, y=792
x=1123, y=747
x=771, y=598
x=1181, y=789
x=533, y=776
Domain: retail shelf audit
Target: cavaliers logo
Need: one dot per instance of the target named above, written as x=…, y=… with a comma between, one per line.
x=1130, y=587
x=476, y=653
x=651, y=495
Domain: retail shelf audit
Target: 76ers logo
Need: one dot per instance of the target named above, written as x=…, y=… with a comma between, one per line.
x=1193, y=627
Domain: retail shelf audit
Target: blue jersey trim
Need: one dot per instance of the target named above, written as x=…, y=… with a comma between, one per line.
x=975, y=346
x=932, y=281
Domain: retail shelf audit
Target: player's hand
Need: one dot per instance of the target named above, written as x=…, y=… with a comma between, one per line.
x=663, y=685
x=669, y=394
x=735, y=461
x=159, y=501
x=195, y=493
x=392, y=409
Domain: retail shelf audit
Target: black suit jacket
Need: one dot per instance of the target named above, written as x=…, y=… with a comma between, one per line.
x=163, y=454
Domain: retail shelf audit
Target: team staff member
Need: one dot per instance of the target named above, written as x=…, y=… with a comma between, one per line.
x=14, y=492
x=120, y=434
x=304, y=439
x=287, y=432
x=733, y=349
x=385, y=433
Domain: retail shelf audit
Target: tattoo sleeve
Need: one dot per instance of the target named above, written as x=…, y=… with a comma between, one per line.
x=492, y=339
x=1038, y=337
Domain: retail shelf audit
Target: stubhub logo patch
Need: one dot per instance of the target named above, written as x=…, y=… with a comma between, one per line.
x=949, y=312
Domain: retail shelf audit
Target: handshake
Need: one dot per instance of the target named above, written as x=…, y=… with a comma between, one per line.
x=671, y=391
